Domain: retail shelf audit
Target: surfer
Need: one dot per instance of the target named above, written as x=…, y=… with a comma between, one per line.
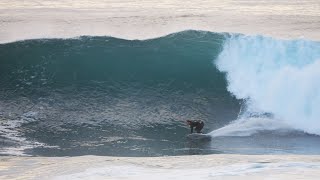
x=197, y=124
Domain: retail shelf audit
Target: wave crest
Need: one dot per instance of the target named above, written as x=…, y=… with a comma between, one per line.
x=277, y=76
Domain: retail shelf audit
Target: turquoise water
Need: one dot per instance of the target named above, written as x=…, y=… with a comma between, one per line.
x=109, y=96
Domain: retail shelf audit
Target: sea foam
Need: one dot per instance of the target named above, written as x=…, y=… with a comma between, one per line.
x=280, y=77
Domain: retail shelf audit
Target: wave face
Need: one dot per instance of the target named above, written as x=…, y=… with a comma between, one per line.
x=91, y=94
x=109, y=96
x=275, y=76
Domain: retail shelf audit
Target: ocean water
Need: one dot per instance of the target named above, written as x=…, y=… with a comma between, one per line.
x=116, y=97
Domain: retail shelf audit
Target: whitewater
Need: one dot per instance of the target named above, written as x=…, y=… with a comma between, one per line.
x=281, y=77
x=106, y=81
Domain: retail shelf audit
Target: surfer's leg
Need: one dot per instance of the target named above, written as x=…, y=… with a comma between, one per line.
x=199, y=127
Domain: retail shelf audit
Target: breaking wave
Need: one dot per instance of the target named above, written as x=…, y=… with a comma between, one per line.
x=92, y=94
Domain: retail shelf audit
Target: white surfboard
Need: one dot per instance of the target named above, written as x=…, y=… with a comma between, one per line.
x=199, y=136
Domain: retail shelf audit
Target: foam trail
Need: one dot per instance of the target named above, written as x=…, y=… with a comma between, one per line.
x=250, y=126
x=277, y=76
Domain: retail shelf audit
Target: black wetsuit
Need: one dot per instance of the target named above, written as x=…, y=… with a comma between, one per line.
x=198, y=126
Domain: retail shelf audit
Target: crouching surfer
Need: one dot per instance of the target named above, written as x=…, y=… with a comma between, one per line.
x=198, y=125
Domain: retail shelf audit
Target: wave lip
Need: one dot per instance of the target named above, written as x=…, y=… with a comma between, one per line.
x=277, y=76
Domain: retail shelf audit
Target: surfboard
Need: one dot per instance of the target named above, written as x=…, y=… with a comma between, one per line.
x=198, y=136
